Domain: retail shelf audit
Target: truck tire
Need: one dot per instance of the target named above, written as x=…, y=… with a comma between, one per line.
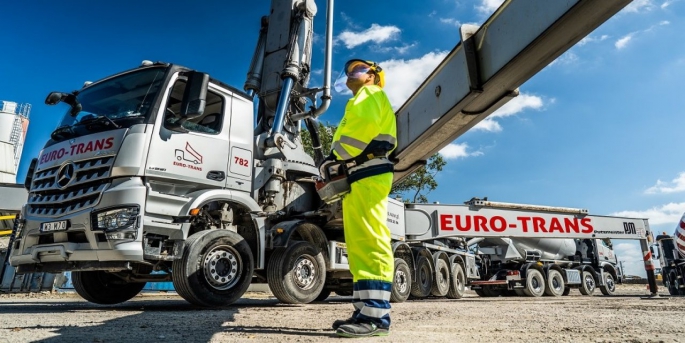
x=519, y=292
x=215, y=269
x=325, y=293
x=535, y=283
x=587, y=284
x=555, y=283
x=567, y=291
x=609, y=287
x=296, y=274
x=422, y=283
x=103, y=288
x=441, y=279
x=457, y=282
x=401, y=283
x=491, y=292
x=672, y=283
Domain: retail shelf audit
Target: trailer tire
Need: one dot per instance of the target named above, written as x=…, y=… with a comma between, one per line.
x=480, y=293
x=519, y=292
x=555, y=283
x=296, y=274
x=103, y=288
x=535, y=283
x=672, y=282
x=457, y=282
x=587, y=284
x=401, y=283
x=325, y=293
x=422, y=283
x=197, y=280
x=441, y=279
x=609, y=287
x=567, y=291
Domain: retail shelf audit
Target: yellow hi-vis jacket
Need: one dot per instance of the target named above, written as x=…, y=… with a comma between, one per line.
x=367, y=133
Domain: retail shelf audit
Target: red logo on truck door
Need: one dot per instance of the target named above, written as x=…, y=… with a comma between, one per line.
x=476, y=223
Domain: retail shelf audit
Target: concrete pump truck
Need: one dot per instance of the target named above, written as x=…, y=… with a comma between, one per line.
x=160, y=173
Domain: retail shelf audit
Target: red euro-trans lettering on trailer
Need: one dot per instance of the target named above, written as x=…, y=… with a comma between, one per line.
x=478, y=223
x=76, y=149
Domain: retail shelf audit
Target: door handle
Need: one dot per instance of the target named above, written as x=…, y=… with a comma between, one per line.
x=216, y=175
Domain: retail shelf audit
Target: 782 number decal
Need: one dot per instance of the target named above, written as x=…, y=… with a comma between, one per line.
x=242, y=162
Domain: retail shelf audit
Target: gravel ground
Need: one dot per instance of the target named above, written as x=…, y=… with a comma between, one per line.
x=258, y=317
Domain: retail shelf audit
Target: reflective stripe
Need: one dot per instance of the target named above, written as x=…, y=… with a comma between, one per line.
x=341, y=151
x=374, y=312
x=358, y=305
x=386, y=138
x=374, y=294
x=353, y=142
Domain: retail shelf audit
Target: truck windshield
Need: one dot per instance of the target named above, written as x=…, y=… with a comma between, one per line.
x=121, y=101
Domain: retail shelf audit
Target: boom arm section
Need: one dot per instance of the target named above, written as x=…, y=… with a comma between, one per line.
x=486, y=68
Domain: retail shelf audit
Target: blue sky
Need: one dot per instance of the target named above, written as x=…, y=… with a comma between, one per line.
x=600, y=128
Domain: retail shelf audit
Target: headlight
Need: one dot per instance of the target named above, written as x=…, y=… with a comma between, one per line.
x=119, y=223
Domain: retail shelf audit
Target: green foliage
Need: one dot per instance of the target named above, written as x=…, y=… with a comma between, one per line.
x=416, y=186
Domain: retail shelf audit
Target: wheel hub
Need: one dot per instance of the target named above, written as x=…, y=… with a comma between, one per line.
x=305, y=272
x=590, y=282
x=401, y=281
x=221, y=267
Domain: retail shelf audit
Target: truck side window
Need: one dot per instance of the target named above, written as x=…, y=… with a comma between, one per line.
x=209, y=123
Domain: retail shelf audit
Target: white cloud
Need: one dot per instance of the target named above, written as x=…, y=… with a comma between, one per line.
x=376, y=34
x=665, y=214
x=666, y=4
x=450, y=21
x=623, y=41
x=676, y=185
x=567, y=58
x=403, y=77
x=639, y=6
x=456, y=151
x=401, y=50
x=592, y=39
x=489, y=6
x=516, y=105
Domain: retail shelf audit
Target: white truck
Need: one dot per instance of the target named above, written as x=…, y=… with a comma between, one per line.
x=161, y=173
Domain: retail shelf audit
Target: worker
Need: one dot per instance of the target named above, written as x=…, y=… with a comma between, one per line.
x=366, y=136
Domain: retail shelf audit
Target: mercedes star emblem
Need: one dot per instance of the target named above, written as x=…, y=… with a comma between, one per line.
x=65, y=174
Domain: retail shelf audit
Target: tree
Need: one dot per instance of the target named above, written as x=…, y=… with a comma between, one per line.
x=416, y=186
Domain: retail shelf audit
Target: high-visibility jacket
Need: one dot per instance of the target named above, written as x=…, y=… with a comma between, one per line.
x=367, y=133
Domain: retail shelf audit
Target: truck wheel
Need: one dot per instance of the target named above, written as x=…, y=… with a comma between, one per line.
x=587, y=284
x=567, y=291
x=215, y=269
x=480, y=292
x=519, y=292
x=296, y=274
x=535, y=283
x=401, y=283
x=422, y=283
x=555, y=283
x=441, y=279
x=457, y=282
x=609, y=287
x=104, y=288
x=325, y=293
x=491, y=292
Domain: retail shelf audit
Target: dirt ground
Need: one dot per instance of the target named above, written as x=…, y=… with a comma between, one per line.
x=258, y=317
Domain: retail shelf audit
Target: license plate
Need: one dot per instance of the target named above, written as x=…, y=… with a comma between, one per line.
x=54, y=226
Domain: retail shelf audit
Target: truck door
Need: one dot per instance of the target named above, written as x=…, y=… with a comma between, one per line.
x=198, y=157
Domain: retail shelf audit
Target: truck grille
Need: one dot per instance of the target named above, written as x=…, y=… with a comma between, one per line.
x=88, y=181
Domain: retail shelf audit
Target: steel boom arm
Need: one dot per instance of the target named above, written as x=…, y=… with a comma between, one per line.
x=486, y=68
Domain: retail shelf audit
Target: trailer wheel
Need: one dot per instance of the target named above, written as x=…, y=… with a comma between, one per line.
x=104, y=288
x=296, y=274
x=567, y=291
x=587, y=284
x=325, y=293
x=609, y=287
x=535, y=283
x=457, y=282
x=441, y=279
x=672, y=283
x=480, y=293
x=519, y=292
x=401, y=283
x=555, y=283
x=215, y=269
x=422, y=283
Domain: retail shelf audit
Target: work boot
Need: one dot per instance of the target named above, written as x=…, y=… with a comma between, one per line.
x=361, y=330
x=340, y=322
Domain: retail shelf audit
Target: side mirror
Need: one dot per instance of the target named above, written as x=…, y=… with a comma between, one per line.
x=195, y=95
x=55, y=98
x=29, y=174
x=655, y=254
